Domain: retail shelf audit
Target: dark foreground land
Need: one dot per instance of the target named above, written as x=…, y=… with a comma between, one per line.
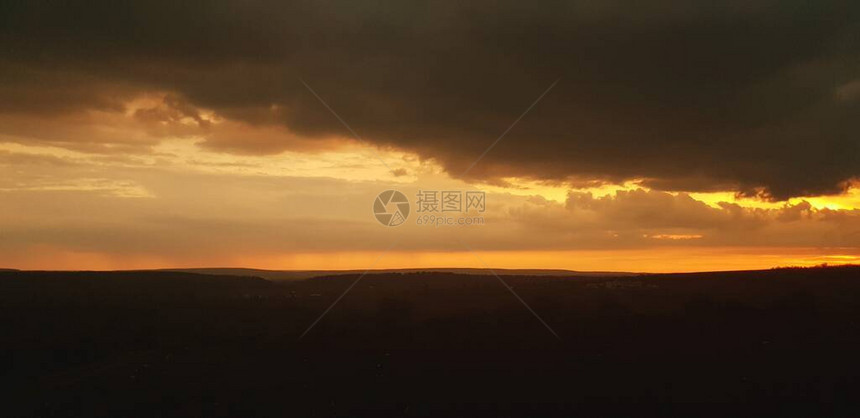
x=779, y=342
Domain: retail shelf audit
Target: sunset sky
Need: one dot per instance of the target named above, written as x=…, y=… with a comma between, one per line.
x=680, y=135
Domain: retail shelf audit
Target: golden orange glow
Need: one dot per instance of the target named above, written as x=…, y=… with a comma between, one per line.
x=558, y=193
x=172, y=177
x=849, y=200
x=652, y=260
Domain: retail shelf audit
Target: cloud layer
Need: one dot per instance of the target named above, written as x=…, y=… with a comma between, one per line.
x=758, y=97
x=186, y=207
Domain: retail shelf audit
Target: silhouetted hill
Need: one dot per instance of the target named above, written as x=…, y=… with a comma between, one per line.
x=48, y=280
x=773, y=342
x=138, y=276
x=305, y=274
x=97, y=287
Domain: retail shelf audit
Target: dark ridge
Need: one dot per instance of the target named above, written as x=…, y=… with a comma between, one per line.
x=129, y=277
x=63, y=288
x=280, y=275
x=779, y=342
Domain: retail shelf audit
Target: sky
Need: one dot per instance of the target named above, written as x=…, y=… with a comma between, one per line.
x=616, y=136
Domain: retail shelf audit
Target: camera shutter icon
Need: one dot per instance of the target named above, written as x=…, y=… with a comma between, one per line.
x=391, y=208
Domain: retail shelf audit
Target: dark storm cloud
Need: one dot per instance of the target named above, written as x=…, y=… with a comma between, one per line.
x=756, y=96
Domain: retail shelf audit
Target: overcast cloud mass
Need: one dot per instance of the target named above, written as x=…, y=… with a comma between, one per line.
x=758, y=97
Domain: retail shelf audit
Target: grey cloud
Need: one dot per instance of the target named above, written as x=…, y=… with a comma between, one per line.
x=736, y=95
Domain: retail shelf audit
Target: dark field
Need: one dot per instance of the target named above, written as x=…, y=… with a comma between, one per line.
x=779, y=342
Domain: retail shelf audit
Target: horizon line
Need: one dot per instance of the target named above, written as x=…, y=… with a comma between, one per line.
x=428, y=269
